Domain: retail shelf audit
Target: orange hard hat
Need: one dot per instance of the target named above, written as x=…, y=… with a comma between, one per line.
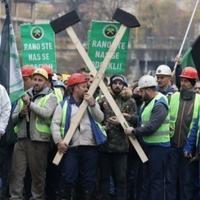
x=48, y=69
x=189, y=72
x=27, y=70
x=76, y=78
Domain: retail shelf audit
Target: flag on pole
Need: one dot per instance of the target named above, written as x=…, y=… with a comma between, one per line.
x=192, y=56
x=10, y=71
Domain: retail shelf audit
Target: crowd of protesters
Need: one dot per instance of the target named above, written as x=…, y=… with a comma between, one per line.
x=100, y=163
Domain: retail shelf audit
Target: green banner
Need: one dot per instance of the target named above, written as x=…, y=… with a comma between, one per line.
x=38, y=45
x=100, y=37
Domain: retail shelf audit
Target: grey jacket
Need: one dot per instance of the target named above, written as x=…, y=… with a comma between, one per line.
x=28, y=129
x=83, y=134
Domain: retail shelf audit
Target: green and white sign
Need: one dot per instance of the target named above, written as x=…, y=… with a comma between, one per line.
x=100, y=37
x=38, y=45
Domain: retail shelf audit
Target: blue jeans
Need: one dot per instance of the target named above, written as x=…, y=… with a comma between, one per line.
x=180, y=179
x=154, y=173
x=80, y=164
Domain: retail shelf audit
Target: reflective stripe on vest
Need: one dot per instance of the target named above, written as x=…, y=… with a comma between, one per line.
x=174, y=107
x=64, y=115
x=162, y=134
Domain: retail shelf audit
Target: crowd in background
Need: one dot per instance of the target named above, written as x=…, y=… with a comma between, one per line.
x=100, y=162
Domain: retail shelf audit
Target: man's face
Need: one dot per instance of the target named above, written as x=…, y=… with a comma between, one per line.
x=197, y=87
x=186, y=84
x=163, y=80
x=144, y=94
x=28, y=82
x=81, y=89
x=91, y=79
x=117, y=86
x=39, y=83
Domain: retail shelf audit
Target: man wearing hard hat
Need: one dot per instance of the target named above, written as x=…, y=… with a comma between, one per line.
x=164, y=80
x=27, y=75
x=32, y=117
x=184, y=110
x=80, y=156
x=154, y=131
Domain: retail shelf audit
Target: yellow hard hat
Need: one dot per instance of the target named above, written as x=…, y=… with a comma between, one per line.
x=65, y=77
x=41, y=72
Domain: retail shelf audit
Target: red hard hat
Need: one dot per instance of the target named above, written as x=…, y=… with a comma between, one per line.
x=48, y=69
x=27, y=70
x=189, y=72
x=76, y=78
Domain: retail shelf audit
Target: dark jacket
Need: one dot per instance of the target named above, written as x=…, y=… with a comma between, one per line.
x=191, y=145
x=116, y=138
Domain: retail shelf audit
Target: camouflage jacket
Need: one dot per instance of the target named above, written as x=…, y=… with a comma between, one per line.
x=117, y=141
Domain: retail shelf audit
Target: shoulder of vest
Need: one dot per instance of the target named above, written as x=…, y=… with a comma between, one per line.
x=47, y=96
x=65, y=100
x=197, y=96
x=175, y=95
x=56, y=89
x=161, y=99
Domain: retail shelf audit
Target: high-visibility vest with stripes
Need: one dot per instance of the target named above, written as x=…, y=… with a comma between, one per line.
x=174, y=108
x=162, y=134
x=42, y=125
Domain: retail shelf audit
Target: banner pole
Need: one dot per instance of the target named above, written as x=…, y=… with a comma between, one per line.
x=184, y=39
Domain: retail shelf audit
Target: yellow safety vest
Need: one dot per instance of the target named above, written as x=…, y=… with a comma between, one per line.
x=42, y=125
x=174, y=107
x=162, y=134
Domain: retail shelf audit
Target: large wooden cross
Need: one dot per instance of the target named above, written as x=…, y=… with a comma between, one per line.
x=126, y=20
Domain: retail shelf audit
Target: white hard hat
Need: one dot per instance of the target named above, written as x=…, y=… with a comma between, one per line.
x=163, y=70
x=147, y=81
x=54, y=77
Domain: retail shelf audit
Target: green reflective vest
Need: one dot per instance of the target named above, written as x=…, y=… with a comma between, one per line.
x=162, y=134
x=174, y=107
x=58, y=93
x=42, y=125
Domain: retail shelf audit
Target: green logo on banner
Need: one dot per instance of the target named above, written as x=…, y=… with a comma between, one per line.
x=110, y=31
x=38, y=45
x=100, y=38
x=37, y=33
